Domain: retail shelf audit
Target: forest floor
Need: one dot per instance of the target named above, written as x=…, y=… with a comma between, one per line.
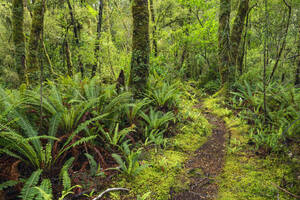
x=207, y=163
x=212, y=157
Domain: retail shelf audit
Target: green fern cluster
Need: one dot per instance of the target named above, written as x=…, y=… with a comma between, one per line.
x=282, y=109
x=42, y=130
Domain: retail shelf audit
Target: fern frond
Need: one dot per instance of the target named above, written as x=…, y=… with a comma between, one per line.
x=93, y=164
x=45, y=190
x=28, y=191
x=64, y=175
x=8, y=184
x=54, y=123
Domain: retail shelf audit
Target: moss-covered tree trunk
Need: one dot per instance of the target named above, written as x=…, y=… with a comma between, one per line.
x=68, y=58
x=297, y=80
x=237, y=31
x=18, y=37
x=154, y=38
x=140, y=46
x=224, y=42
x=37, y=27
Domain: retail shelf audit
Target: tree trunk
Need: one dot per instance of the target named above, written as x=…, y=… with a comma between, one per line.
x=37, y=27
x=154, y=39
x=76, y=31
x=140, y=46
x=297, y=80
x=97, y=43
x=241, y=55
x=284, y=39
x=18, y=37
x=237, y=31
x=68, y=57
x=224, y=42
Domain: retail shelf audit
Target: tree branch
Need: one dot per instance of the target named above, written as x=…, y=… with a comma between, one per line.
x=284, y=40
x=110, y=190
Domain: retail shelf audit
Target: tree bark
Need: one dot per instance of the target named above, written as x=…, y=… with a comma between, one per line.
x=297, y=79
x=154, y=39
x=237, y=31
x=241, y=55
x=37, y=27
x=97, y=43
x=140, y=46
x=224, y=42
x=284, y=39
x=76, y=31
x=68, y=57
x=18, y=37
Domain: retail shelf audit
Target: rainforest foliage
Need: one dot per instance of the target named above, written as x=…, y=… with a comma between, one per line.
x=96, y=94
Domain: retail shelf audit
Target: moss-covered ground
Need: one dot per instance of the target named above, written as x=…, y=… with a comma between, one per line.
x=166, y=170
x=248, y=176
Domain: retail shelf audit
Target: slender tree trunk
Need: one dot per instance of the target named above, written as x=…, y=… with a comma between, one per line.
x=284, y=39
x=154, y=39
x=37, y=27
x=297, y=80
x=266, y=59
x=140, y=46
x=68, y=57
x=97, y=44
x=224, y=42
x=48, y=58
x=18, y=37
x=237, y=31
x=242, y=53
x=76, y=31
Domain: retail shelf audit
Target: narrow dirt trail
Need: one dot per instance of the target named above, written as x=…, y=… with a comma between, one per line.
x=206, y=164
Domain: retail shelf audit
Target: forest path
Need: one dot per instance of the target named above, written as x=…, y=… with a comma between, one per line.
x=206, y=163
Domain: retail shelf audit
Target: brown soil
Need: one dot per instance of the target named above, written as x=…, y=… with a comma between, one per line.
x=206, y=164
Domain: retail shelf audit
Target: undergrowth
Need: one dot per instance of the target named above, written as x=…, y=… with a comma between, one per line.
x=249, y=174
x=166, y=166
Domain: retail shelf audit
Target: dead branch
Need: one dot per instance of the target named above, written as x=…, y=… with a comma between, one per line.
x=284, y=190
x=110, y=190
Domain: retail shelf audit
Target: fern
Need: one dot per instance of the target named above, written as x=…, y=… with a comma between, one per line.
x=28, y=191
x=93, y=164
x=157, y=120
x=64, y=175
x=45, y=190
x=8, y=184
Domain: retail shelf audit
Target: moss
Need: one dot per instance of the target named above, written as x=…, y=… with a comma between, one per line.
x=166, y=167
x=214, y=105
x=18, y=36
x=246, y=176
x=251, y=178
x=188, y=142
x=140, y=46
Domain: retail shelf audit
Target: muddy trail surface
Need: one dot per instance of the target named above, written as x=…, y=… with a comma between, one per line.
x=206, y=164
